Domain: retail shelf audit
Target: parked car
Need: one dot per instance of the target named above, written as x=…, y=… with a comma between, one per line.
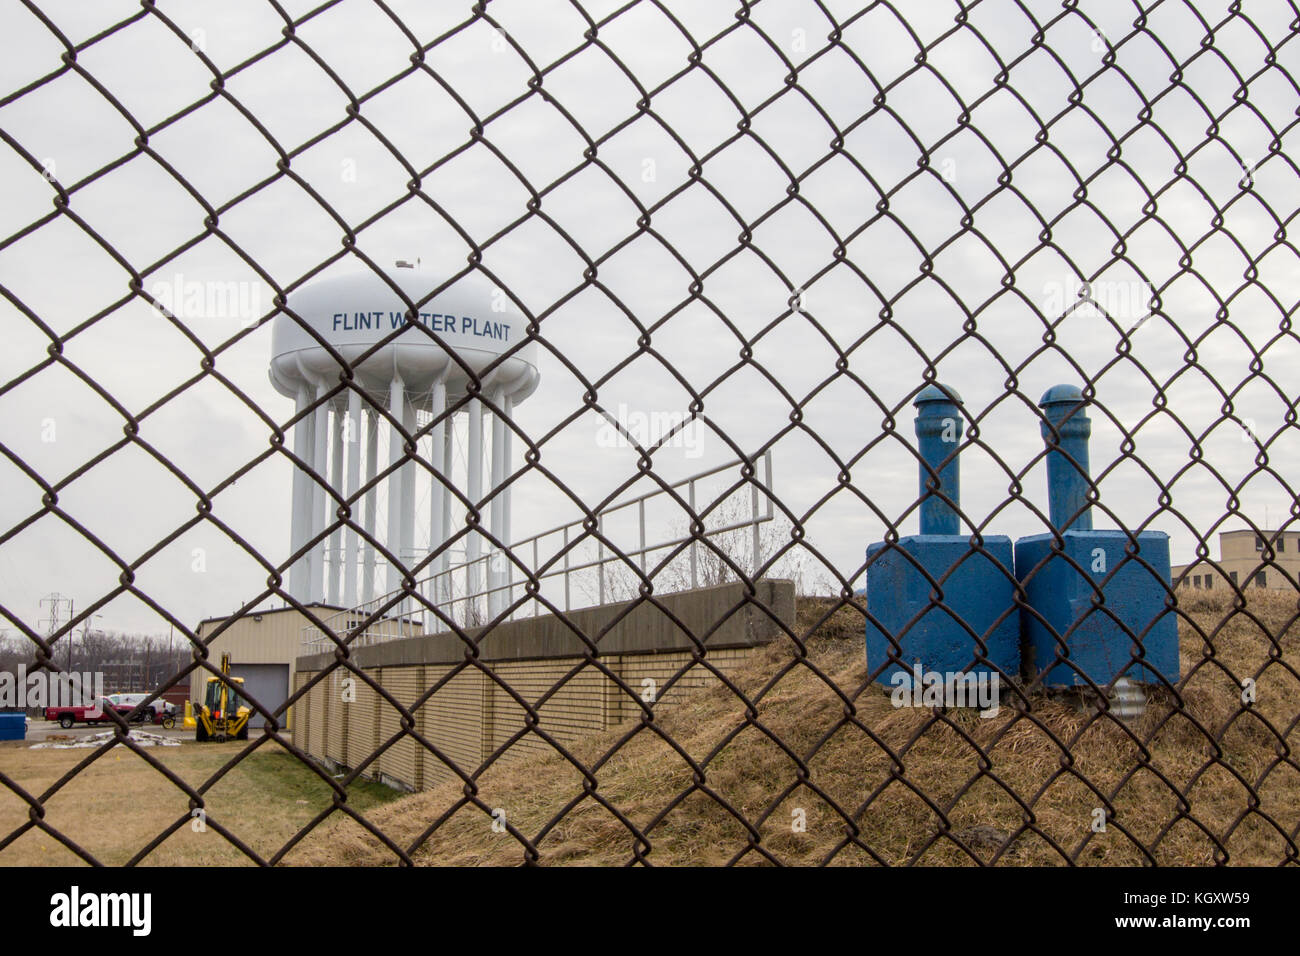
x=67, y=716
x=130, y=702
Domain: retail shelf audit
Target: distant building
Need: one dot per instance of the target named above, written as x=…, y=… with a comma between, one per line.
x=265, y=645
x=1243, y=563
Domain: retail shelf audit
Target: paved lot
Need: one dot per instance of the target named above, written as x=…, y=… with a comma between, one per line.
x=39, y=730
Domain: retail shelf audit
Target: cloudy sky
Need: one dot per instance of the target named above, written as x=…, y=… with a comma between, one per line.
x=1168, y=174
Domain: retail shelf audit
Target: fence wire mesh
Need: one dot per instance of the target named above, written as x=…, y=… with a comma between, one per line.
x=782, y=221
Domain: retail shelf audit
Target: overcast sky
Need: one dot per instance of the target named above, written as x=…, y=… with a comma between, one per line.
x=877, y=305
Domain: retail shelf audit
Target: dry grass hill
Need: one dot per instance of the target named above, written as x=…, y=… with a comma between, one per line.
x=876, y=784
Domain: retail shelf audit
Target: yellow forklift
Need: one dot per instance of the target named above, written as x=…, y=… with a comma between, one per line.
x=222, y=715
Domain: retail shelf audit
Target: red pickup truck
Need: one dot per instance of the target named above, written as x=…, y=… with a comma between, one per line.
x=67, y=716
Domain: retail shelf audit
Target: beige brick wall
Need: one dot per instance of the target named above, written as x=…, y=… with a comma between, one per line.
x=575, y=709
x=636, y=669
x=363, y=722
x=336, y=719
x=453, y=722
x=470, y=715
x=316, y=704
x=300, y=711
x=401, y=761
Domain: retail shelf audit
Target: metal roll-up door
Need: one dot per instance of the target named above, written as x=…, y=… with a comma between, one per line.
x=269, y=683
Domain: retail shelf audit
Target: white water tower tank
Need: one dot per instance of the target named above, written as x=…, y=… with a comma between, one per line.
x=415, y=374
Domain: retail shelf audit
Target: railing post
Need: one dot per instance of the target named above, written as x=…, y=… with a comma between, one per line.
x=641, y=509
x=767, y=481
x=695, y=569
x=600, y=559
x=566, y=567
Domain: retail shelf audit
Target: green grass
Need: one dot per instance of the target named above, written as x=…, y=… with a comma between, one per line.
x=116, y=805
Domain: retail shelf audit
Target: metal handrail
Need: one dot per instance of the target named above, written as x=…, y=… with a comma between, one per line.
x=397, y=611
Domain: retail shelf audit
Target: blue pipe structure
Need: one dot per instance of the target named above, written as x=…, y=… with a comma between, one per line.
x=940, y=601
x=1066, y=429
x=938, y=433
x=1096, y=612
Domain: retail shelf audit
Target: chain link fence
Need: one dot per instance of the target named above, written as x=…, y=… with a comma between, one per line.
x=785, y=224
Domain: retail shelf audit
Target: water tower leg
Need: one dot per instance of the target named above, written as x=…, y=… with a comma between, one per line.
x=448, y=457
x=300, y=571
x=437, y=490
x=331, y=509
x=495, y=597
x=393, y=542
x=474, y=464
x=320, y=453
x=408, y=497
x=372, y=505
x=352, y=436
x=508, y=406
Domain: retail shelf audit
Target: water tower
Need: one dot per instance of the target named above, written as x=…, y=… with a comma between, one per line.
x=415, y=376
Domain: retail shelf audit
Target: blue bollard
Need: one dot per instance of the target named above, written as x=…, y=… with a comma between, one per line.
x=976, y=586
x=1068, y=641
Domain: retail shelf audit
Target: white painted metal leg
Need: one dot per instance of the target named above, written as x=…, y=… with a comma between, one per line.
x=496, y=458
x=335, y=566
x=507, y=468
x=352, y=441
x=372, y=504
x=408, y=502
x=393, y=541
x=449, y=461
x=437, y=490
x=300, y=570
x=320, y=454
x=474, y=490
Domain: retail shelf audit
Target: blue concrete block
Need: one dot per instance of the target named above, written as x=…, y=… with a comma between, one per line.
x=1098, y=646
x=977, y=591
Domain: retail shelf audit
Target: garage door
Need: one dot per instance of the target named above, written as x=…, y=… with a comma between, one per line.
x=269, y=683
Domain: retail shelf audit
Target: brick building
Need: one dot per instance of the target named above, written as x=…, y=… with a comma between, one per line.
x=1245, y=561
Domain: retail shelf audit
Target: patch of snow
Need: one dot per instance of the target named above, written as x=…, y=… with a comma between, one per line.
x=141, y=738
